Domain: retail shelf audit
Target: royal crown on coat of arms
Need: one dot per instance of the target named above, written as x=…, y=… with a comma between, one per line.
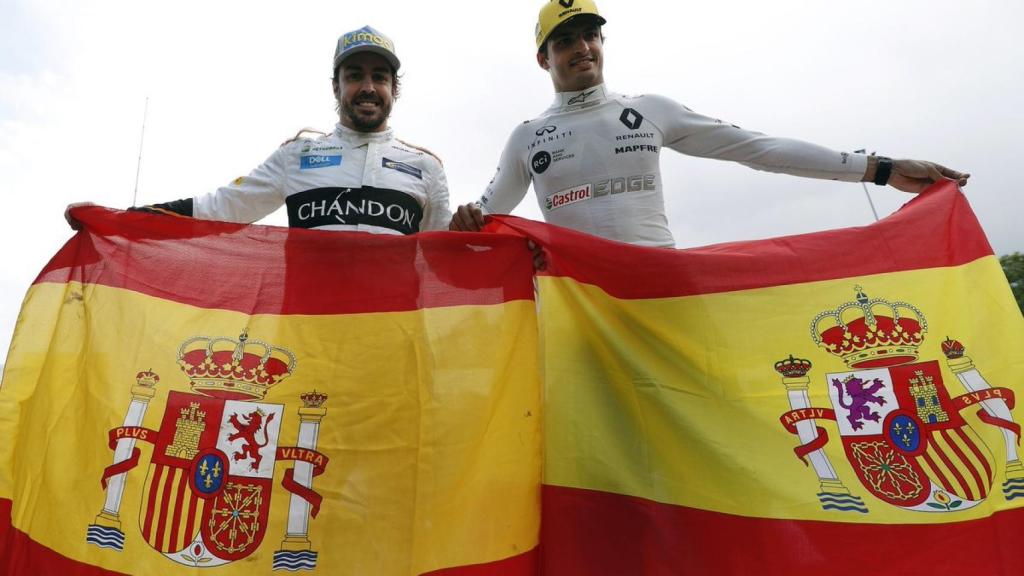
x=147, y=379
x=952, y=349
x=313, y=399
x=242, y=369
x=871, y=332
x=216, y=449
x=793, y=367
x=903, y=428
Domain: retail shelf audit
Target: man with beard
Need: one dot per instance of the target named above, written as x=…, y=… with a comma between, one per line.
x=358, y=178
x=593, y=155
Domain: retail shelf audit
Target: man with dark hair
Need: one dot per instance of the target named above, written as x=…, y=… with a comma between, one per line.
x=359, y=177
x=593, y=155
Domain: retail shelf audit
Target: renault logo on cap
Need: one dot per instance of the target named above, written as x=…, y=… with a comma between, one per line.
x=566, y=3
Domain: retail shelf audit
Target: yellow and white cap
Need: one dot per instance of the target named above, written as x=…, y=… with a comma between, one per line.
x=557, y=12
x=366, y=39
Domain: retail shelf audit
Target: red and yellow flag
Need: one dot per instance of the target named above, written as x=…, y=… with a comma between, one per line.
x=837, y=403
x=184, y=394
x=244, y=399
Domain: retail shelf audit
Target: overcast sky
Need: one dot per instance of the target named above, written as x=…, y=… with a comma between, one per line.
x=228, y=81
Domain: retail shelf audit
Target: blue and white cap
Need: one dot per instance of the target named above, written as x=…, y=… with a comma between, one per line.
x=366, y=39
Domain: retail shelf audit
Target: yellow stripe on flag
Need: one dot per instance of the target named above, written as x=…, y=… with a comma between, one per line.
x=434, y=452
x=676, y=400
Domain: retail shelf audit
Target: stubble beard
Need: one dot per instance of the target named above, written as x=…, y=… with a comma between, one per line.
x=363, y=123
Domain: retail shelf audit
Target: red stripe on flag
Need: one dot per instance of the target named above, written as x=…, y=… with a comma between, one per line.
x=19, y=554
x=982, y=485
x=977, y=454
x=190, y=524
x=243, y=268
x=965, y=488
x=940, y=477
x=522, y=565
x=596, y=534
x=910, y=239
x=147, y=527
x=165, y=511
x=179, y=500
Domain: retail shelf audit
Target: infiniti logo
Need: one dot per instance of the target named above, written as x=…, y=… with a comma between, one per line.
x=546, y=130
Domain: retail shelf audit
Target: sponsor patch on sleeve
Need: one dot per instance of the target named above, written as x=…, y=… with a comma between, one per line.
x=311, y=161
x=569, y=196
x=402, y=167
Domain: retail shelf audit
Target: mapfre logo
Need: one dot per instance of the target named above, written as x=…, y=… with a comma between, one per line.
x=569, y=196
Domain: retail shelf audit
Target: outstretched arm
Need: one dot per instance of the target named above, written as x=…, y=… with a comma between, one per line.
x=698, y=135
x=910, y=175
x=244, y=200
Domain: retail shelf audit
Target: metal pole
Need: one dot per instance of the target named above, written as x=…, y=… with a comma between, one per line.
x=138, y=166
x=865, y=187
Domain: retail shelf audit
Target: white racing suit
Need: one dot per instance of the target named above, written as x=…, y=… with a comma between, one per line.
x=593, y=160
x=346, y=180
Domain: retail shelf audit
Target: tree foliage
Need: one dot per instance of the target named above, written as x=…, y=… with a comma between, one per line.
x=1013, y=266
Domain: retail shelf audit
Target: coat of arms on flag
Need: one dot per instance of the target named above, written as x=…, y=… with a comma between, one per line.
x=208, y=488
x=901, y=425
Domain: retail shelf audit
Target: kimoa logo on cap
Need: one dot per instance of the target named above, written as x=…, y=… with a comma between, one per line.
x=363, y=37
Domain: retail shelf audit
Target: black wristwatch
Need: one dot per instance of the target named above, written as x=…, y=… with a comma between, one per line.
x=883, y=169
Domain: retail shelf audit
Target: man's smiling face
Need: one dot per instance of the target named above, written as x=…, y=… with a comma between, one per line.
x=365, y=91
x=573, y=55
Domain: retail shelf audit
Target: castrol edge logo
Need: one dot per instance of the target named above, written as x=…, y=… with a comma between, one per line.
x=569, y=196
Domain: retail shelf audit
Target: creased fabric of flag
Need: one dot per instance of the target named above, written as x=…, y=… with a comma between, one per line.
x=194, y=397
x=837, y=403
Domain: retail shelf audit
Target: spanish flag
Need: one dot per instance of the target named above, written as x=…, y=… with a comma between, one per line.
x=183, y=394
x=838, y=403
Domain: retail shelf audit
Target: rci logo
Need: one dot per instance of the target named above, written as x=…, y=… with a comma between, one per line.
x=541, y=161
x=631, y=118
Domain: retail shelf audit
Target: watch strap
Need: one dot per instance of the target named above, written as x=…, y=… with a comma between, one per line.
x=883, y=170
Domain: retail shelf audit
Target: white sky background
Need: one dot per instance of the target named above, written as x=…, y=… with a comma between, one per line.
x=228, y=81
